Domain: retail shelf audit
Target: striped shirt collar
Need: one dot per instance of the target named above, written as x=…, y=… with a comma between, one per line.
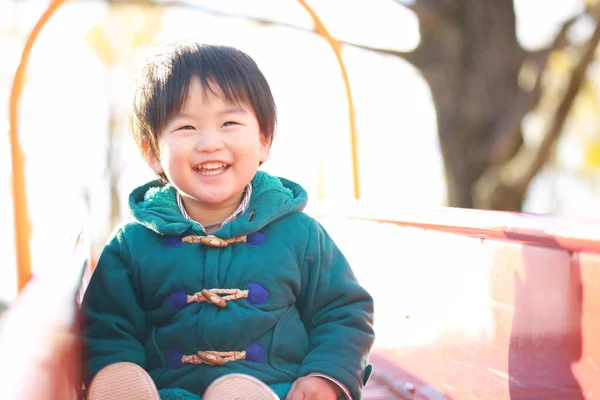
x=215, y=227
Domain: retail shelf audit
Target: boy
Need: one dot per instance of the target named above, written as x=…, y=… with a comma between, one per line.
x=219, y=285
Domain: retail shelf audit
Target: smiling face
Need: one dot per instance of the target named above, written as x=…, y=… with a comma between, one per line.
x=204, y=117
x=210, y=150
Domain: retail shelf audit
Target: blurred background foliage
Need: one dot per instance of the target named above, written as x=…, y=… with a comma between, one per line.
x=467, y=103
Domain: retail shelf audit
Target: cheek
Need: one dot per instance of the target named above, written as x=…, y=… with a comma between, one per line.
x=244, y=146
x=174, y=151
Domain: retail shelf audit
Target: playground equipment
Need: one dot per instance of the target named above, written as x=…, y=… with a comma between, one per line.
x=533, y=333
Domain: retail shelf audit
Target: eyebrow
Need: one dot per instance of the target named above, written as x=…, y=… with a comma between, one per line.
x=229, y=110
x=234, y=109
x=182, y=116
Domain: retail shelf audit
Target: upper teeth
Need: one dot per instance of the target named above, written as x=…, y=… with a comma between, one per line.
x=212, y=166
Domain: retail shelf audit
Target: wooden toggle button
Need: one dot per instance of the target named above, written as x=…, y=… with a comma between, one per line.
x=213, y=298
x=211, y=358
x=213, y=241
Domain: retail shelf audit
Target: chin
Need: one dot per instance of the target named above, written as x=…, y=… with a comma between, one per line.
x=216, y=195
x=215, y=199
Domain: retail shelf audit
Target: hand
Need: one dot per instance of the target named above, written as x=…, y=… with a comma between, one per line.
x=313, y=388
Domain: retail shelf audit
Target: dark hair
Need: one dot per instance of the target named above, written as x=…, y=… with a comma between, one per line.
x=163, y=86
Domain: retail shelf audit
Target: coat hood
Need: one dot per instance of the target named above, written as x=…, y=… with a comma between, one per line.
x=154, y=205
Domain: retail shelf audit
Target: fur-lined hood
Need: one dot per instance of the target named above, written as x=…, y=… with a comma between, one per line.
x=154, y=205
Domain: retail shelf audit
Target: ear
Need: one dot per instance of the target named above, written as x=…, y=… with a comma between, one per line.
x=265, y=150
x=151, y=158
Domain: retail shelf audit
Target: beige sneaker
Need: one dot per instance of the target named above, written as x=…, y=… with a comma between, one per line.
x=238, y=387
x=122, y=381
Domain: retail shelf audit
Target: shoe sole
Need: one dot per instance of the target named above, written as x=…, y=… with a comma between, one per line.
x=238, y=387
x=122, y=381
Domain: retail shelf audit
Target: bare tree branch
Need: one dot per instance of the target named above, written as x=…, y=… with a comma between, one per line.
x=516, y=174
x=560, y=41
x=562, y=112
x=430, y=10
x=422, y=10
x=409, y=56
x=507, y=136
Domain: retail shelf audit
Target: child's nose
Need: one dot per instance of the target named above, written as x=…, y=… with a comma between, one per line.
x=209, y=140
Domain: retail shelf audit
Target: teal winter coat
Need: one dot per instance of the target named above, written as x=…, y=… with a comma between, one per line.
x=298, y=308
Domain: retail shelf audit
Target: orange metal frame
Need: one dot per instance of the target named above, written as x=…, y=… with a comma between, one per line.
x=22, y=228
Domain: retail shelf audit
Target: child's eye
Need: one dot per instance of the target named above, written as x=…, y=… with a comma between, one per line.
x=186, y=127
x=230, y=123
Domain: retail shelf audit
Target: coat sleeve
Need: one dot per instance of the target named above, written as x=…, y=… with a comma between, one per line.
x=337, y=313
x=114, y=323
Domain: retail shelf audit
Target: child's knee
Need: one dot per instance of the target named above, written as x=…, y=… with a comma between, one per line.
x=177, y=394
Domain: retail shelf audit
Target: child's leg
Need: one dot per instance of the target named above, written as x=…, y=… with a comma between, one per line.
x=232, y=387
x=240, y=386
x=122, y=380
x=129, y=381
x=281, y=389
x=177, y=394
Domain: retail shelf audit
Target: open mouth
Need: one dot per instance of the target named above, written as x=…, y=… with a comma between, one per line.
x=212, y=168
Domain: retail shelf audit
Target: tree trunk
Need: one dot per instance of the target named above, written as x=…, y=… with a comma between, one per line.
x=470, y=57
